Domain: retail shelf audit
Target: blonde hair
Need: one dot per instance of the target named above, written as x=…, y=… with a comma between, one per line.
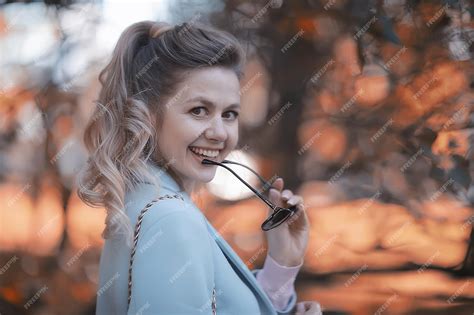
x=147, y=63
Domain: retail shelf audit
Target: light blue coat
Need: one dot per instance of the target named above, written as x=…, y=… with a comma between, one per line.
x=179, y=258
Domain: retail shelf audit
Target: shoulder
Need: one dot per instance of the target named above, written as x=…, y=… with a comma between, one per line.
x=174, y=239
x=177, y=231
x=175, y=258
x=163, y=207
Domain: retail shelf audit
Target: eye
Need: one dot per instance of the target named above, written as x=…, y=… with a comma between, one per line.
x=233, y=115
x=198, y=111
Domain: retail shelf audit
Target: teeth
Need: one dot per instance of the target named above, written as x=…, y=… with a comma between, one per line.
x=207, y=153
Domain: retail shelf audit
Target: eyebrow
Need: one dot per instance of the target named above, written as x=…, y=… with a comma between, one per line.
x=210, y=103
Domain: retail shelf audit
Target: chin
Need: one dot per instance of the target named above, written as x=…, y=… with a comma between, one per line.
x=207, y=176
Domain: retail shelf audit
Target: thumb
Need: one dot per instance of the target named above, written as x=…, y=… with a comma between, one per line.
x=300, y=308
x=274, y=194
x=278, y=184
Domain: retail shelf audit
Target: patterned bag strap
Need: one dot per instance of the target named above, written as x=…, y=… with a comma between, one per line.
x=134, y=248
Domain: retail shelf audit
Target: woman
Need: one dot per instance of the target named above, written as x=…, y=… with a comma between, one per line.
x=169, y=98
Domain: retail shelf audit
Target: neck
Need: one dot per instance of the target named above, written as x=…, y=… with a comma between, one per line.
x=189, y=187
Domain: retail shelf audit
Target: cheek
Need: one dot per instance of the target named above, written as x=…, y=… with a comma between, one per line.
x=169, y=136
x=233, y=137
x=178, y=129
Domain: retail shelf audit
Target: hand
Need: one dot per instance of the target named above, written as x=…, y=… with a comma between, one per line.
x=287, y=242
x=308, y=308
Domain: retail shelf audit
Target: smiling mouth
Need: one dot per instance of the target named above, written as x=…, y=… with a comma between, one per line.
x=205, y=154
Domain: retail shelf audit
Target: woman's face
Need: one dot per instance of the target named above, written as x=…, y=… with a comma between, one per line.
x=200, y=121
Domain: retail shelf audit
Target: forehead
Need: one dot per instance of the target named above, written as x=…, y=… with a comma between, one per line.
x=216, y=84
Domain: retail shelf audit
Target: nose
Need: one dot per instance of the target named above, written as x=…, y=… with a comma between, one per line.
x=216, y=131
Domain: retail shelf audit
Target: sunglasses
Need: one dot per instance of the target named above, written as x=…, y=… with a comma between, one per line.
x=279, y=214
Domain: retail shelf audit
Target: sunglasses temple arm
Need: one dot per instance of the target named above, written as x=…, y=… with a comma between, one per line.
x=256, y=174
x=246, y=184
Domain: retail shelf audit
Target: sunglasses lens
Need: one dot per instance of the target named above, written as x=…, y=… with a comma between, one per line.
x=276, y=219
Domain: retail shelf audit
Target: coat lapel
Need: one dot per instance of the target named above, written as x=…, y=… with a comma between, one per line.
x=236, y=261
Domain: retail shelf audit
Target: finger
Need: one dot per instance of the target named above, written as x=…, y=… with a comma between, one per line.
x=286, y=194
x=275, y=197
x=300, y=308
x=313, y=308
x=299, y=220
x=278, y=184
x=294, y=200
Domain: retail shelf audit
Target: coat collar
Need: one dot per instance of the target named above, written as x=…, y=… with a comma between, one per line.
x=163, y=177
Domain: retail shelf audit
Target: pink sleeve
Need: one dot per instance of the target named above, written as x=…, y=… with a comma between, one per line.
x=278, y=281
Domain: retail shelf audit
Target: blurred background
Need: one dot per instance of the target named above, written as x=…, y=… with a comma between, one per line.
x=365, y=108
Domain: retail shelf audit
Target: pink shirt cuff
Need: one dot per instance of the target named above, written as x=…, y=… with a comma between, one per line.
x=278, y=281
